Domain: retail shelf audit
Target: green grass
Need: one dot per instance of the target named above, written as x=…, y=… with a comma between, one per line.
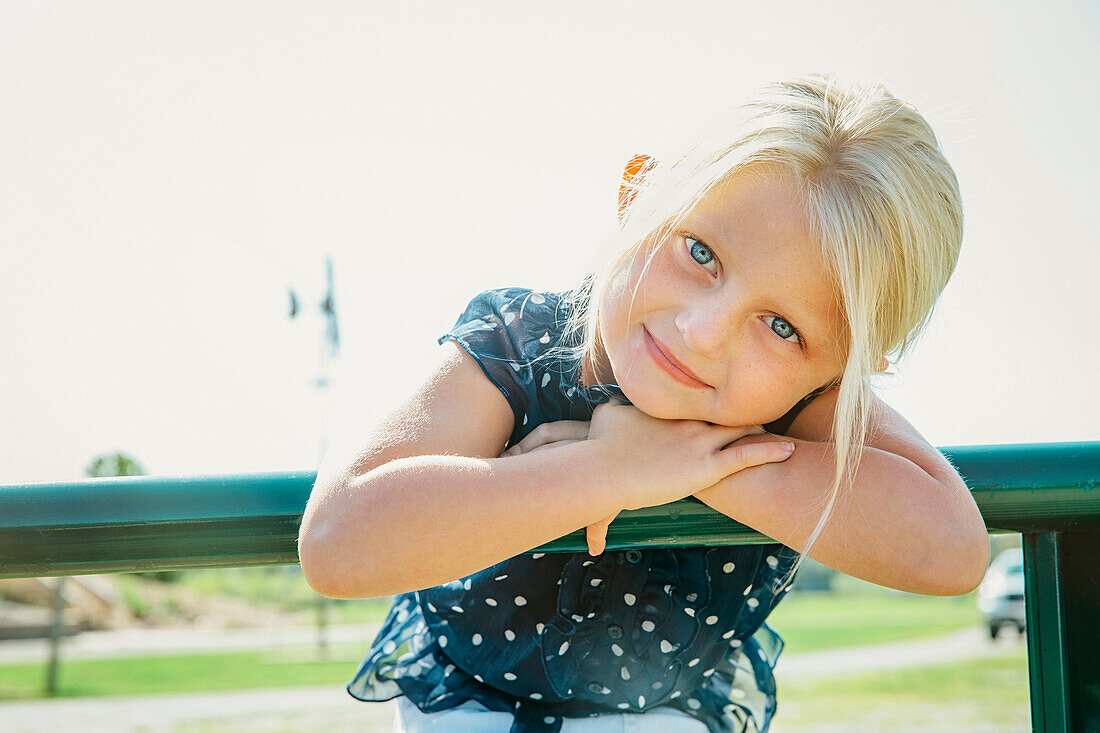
x=989, y=694
x=811, y=622
x=287, y=667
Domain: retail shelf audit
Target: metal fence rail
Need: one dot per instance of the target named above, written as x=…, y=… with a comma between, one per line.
x=1047, y=491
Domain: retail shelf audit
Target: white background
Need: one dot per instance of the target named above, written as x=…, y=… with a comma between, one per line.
x=168, y=170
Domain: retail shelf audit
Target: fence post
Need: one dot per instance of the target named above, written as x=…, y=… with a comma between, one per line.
x=1062, y=578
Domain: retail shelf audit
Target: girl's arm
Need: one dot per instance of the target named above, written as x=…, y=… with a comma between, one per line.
x=426, y=501
x=907, y=522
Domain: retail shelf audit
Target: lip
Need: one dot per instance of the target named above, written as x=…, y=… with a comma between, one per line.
x=668, y=362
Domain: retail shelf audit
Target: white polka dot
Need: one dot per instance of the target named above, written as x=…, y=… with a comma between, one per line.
x=536, y=696
x=735, y=643
x=466, y=584
x=563, y=648
x=457, y=609
x=690, y=611
x=668, y=590
x=693, y=662
x=501, y=577
x=666, y=647
x=509, y=635
x=537, y=555
x=509, y=676
x=693, y=703
x=586, y=563
x=443, y=641
x=577, y=617
x=708, y=673
x=432, y=608
x=525, y=419
x=641, y=701
x=752, y=603
x=658, y=685
x=478, y=678
x=712, y=620
x=389, y=647
x=675, y=694
x=476, y=639
x=521, y=601
x=616, y=650
x=648, y=625
x=690, y=597
x=596, y=581
x=728, y=634
x=623, y=705
x=508, y=318
x=629, y=599
x=490, y=602
x=448, y=669
x=772, y=561
x=538, y=628
x=546, y=377
x=624, y=673
x=728, y=567
x=545, y=339
x=537, y=299
x=749, y=588
x=402, y=615
x=549, y=719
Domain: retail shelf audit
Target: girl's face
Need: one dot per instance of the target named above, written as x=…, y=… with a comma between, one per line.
x=734, y=320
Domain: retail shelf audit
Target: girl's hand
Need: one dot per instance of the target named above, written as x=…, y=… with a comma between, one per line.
x=549, y=435
x=638, y=442
x=653, y=461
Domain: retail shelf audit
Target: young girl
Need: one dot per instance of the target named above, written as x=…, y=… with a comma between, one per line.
x=764, y=275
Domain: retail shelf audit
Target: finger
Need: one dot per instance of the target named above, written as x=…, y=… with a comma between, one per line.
x=744, y=455
x=552, y=432
x=555, y=444
x=597, y=536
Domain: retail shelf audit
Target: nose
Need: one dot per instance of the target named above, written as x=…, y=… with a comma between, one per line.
x=705, y=325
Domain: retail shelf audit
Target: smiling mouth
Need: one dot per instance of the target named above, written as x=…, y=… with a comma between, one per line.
x=673, y=368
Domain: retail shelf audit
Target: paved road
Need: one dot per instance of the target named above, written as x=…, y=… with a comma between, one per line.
x=330, y=708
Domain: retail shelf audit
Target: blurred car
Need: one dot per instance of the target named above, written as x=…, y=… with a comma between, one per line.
x=1001, y=594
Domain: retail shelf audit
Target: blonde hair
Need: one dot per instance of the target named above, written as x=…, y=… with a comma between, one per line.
x=879, y=196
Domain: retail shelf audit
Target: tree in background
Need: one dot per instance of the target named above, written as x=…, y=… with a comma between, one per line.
x=113, y=464
x=108, y=464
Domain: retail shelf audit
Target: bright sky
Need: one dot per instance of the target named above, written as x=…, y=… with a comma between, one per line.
x=167, y=170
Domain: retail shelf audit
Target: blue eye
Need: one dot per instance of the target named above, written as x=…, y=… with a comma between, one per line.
x=701, y=253
x=783, y=329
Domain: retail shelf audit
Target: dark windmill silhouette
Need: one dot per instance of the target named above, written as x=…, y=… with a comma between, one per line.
x=330, y=346
x=329, y=351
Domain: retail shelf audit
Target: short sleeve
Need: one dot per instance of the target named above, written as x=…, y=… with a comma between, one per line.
x=494, y=331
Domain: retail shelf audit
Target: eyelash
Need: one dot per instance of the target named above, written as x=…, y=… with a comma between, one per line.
x=713, y=258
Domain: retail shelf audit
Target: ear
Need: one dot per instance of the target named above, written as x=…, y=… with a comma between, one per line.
x=635, y=169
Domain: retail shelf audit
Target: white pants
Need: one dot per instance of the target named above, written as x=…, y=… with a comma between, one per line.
x=473, y=717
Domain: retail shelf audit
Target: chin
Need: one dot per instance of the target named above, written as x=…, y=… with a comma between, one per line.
x=658, y=404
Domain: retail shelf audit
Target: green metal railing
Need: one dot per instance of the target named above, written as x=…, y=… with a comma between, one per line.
x=1047, y=491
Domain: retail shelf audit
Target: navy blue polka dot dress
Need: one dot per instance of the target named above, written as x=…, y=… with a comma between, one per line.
x=549, y=636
